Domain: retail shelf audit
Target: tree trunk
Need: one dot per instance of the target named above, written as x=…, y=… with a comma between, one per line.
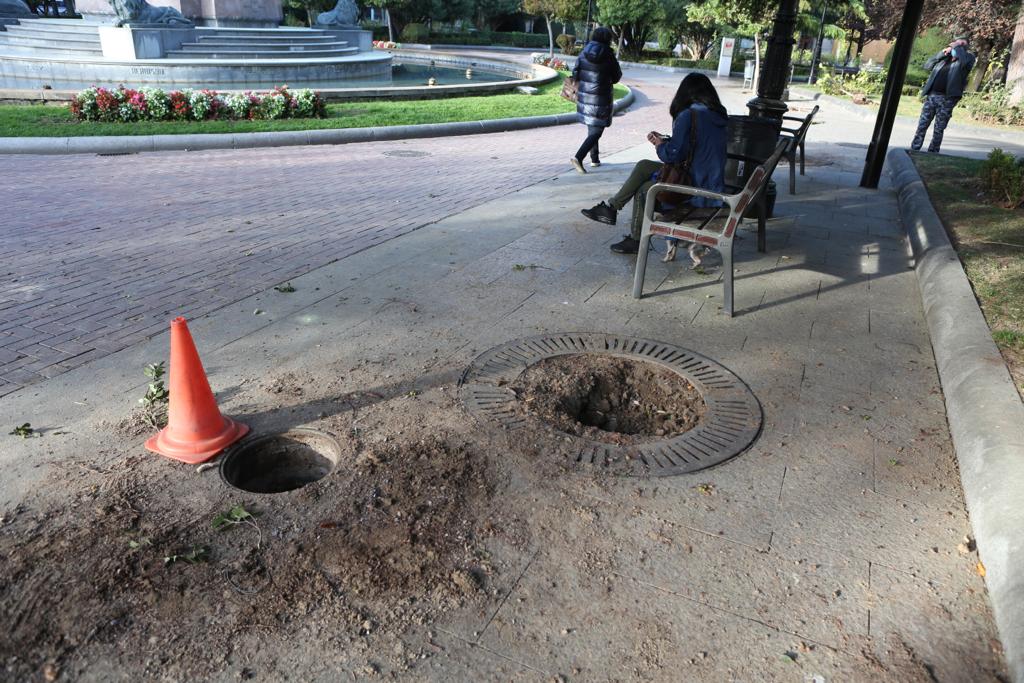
x=391, y=31
x=1015, y=67
x=980, y=68
x=551, y=37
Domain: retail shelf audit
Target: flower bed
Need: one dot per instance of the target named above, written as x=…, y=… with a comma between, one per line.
x=553, y=62
x=125, y=105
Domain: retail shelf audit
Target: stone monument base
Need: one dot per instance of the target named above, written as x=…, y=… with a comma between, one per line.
x=356, y=37
x=143, y=41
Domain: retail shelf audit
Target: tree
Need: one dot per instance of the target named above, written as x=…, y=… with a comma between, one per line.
x=634, y=22
x=487, y=13
x=1015, y=67
x=695, y=37
x=750, y=19
x=403, y=12
x=554, y=9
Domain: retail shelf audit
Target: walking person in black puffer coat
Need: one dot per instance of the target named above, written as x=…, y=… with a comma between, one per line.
x=596, y=71
x=943, y=89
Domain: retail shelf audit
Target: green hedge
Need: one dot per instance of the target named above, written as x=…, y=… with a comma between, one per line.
x=509, y=38
x=705, y=64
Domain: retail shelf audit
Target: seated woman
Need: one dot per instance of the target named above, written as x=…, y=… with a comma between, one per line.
x=696, y=97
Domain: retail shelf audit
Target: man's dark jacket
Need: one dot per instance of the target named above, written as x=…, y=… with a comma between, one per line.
x=958, y=71
x=596, y=70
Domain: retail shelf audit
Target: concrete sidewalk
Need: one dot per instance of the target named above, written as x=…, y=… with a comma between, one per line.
x=829, y=551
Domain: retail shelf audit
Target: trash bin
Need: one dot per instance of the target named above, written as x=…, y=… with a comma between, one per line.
x=756, y=138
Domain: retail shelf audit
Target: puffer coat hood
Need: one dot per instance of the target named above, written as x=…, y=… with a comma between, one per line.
x=597, y=70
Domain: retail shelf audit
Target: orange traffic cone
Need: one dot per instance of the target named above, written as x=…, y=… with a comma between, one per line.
x=195, y=431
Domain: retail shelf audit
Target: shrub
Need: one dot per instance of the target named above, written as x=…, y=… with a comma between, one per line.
x=862, y=83
x=415, y=33
x=1002, y=177
x=152, y=104
x=510, y=38
x=993, y=106
x=926, y=45
x=567, y=43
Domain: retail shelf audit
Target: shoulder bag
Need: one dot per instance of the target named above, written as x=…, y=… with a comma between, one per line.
x=570, y=88
x=679, y=173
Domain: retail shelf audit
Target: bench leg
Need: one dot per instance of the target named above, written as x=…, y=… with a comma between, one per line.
x=762, y=221
x=792, y=172
x=726, y=252
x=641, y=265
x=802, y=158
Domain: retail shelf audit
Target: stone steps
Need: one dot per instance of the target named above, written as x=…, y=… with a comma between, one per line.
x=217, y=46
x=47, y=51
x=62, y=26
x=261, y=33
x=245, y=40
x=258, y=54
x=23, y=31
x=36, y=41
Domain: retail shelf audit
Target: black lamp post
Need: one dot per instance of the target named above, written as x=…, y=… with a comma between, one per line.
x=590, y=13
x=816, y=57
x=775, y=70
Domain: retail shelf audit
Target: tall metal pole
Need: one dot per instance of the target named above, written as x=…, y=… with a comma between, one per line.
x=879, y=144
x=590, y=13
x=775, y=72
x=816, y=57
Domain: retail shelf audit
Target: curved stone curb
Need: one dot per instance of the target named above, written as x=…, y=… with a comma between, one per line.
x=985, y=412
x=130, y=144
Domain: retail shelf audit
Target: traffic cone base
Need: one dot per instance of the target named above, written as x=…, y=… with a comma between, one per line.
x=194, y=452
x=196, y=430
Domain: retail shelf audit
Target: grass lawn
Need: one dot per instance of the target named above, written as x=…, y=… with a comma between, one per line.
x=990, y=241
x=910, y=106
x=56, y=121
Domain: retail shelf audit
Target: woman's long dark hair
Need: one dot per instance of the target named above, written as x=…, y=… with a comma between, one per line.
x=696, y=88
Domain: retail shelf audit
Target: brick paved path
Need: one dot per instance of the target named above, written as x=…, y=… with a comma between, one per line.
x=99, y=252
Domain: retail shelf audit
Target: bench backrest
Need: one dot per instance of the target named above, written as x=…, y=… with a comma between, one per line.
x=800, y=133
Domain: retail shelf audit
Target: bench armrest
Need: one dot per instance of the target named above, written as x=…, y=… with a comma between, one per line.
x=680, y=189
x=793, y=118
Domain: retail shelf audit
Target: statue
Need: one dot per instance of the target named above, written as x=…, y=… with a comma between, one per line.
x=141, y=12
x=14, y=8
x=345, y=13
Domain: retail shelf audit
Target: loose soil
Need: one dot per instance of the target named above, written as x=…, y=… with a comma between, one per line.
x=609, y=399
x=429, y=534
x=393, y=538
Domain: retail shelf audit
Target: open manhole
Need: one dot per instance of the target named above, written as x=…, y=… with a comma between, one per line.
x=659, y=408
x=280, y=462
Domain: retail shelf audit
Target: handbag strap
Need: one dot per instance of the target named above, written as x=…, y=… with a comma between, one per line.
x=693, y=140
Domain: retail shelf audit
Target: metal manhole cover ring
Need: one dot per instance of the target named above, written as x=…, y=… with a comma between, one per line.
x=406, y=153
x=731, y=423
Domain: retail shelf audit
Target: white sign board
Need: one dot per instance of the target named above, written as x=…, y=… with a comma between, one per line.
x=725, y=58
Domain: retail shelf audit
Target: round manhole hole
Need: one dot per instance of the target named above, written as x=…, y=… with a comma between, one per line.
x=659, y=408
x=280, y=462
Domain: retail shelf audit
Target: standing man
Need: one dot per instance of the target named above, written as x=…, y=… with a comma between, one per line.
x=943, y=89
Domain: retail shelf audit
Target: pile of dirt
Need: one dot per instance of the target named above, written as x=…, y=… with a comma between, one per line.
x=609, y=399
x=131, y=575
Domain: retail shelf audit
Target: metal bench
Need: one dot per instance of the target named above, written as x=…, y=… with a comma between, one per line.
x=739, y=168
x=712, y=227
x=796, y=137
